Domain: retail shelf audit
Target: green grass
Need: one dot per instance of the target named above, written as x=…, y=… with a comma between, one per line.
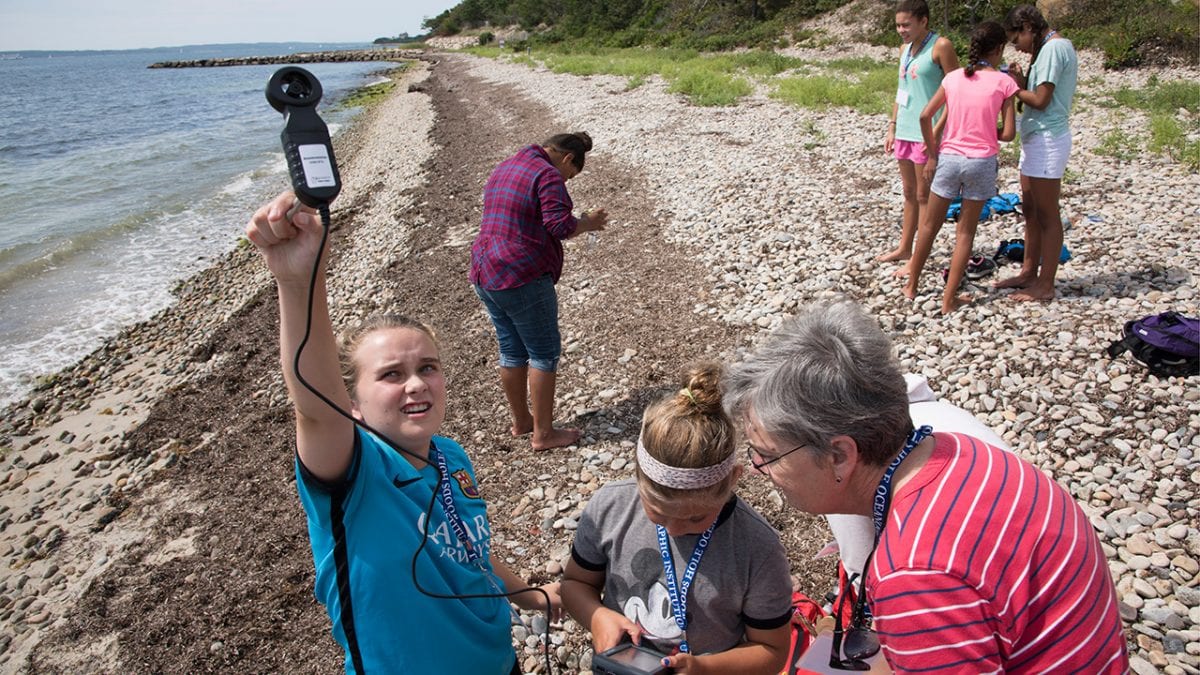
x=863, y=84
x=1118, y=144
x=706, y=87
x=722, y=79
x=1167, y=137
x=1173, y=110
x=705, y=79
x=815, y=134
x=1161, y=97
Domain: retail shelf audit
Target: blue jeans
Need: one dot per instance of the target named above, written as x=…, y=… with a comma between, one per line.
x=526, y=321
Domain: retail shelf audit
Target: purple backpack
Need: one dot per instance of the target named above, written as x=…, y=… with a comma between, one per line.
x=1168, y=343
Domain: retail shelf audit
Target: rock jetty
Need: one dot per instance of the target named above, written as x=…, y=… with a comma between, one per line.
x=341, y=56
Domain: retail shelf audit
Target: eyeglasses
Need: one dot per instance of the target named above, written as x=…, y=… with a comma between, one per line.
x=761, y=467
x=861, y=643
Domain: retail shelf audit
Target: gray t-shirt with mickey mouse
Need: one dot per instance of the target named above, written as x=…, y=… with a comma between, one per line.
x=742, y=581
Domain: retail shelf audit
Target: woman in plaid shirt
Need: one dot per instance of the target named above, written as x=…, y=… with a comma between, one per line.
x=515, y=262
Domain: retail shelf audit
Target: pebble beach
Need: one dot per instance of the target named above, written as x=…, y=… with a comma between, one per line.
x=780, y=224
x=780, y=206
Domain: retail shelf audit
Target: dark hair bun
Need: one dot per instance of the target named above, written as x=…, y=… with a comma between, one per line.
x=585, y=139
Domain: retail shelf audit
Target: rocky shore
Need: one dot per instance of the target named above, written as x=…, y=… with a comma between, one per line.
x=784, y=206
x=146, y=515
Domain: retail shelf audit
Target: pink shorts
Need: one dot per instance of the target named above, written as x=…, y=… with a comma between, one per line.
x=913, y=151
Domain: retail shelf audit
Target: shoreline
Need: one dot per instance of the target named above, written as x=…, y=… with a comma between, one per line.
x=762, y=221
x=68, y=458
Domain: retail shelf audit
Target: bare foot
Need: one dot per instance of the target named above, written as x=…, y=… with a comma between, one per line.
x=1019, y=281
x=1034, y=294
x=893, y=256
x=521, y=427
x=901, y=271
x=557, y=438
x=909, y=291
x=955, y=303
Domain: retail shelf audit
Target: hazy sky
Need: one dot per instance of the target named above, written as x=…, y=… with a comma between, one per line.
x=129, y=24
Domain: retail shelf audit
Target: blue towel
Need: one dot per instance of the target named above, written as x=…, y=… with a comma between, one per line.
x=1001, y=203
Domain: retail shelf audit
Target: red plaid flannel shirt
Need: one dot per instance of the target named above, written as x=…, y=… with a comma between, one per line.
x=526, y=215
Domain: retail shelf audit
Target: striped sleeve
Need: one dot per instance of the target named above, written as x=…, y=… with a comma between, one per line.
x=988, y=565
x=932, y=621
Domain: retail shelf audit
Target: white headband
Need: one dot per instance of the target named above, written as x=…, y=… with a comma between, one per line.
x=681, y=478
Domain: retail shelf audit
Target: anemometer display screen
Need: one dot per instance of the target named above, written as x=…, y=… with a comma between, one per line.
x=318, y=170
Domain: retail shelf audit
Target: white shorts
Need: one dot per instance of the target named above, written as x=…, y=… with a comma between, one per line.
x=1045, y=156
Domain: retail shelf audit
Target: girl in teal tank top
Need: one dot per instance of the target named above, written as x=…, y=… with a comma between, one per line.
x=924, y=59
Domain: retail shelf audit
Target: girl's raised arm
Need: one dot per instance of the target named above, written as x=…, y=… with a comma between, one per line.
x=289, y=246
x=1038, y=98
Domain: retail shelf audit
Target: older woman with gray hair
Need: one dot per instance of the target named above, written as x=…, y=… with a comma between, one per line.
x=980, y=562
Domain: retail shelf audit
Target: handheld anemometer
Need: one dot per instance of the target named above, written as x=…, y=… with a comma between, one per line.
x=295, y=92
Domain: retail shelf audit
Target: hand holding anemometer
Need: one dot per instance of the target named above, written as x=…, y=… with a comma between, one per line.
x=295, y=92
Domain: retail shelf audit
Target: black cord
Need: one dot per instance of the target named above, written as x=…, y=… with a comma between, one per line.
x=312, y=286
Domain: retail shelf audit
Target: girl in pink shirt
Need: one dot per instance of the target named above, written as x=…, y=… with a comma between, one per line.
x=965, y=163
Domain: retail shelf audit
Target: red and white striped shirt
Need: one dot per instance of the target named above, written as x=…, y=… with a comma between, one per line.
x=987, y=566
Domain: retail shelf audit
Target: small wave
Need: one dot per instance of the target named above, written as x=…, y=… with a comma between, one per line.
x=13, y=269
x=240, y=184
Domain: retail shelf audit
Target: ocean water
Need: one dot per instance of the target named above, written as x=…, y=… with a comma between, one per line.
x=117, y=181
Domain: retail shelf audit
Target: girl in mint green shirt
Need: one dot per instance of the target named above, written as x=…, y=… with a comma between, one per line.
x=1047, y=92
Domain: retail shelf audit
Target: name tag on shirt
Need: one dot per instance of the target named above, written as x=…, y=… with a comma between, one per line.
x=902, y=98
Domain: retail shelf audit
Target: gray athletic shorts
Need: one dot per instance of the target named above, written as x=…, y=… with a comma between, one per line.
x=973, y=179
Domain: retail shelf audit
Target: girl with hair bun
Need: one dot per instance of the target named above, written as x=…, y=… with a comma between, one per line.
x=674, y=559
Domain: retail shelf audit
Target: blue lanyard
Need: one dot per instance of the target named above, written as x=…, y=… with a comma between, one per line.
x=984, y=64
x=1048, y=36
x=908, y=58
x=679, y=593
x=474, y=555
x=447, y=499
x=883, y=493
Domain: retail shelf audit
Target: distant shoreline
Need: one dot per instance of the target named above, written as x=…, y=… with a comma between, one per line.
x=342, y=56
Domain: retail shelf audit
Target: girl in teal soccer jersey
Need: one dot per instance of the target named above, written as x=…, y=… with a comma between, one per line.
x=385, y=524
